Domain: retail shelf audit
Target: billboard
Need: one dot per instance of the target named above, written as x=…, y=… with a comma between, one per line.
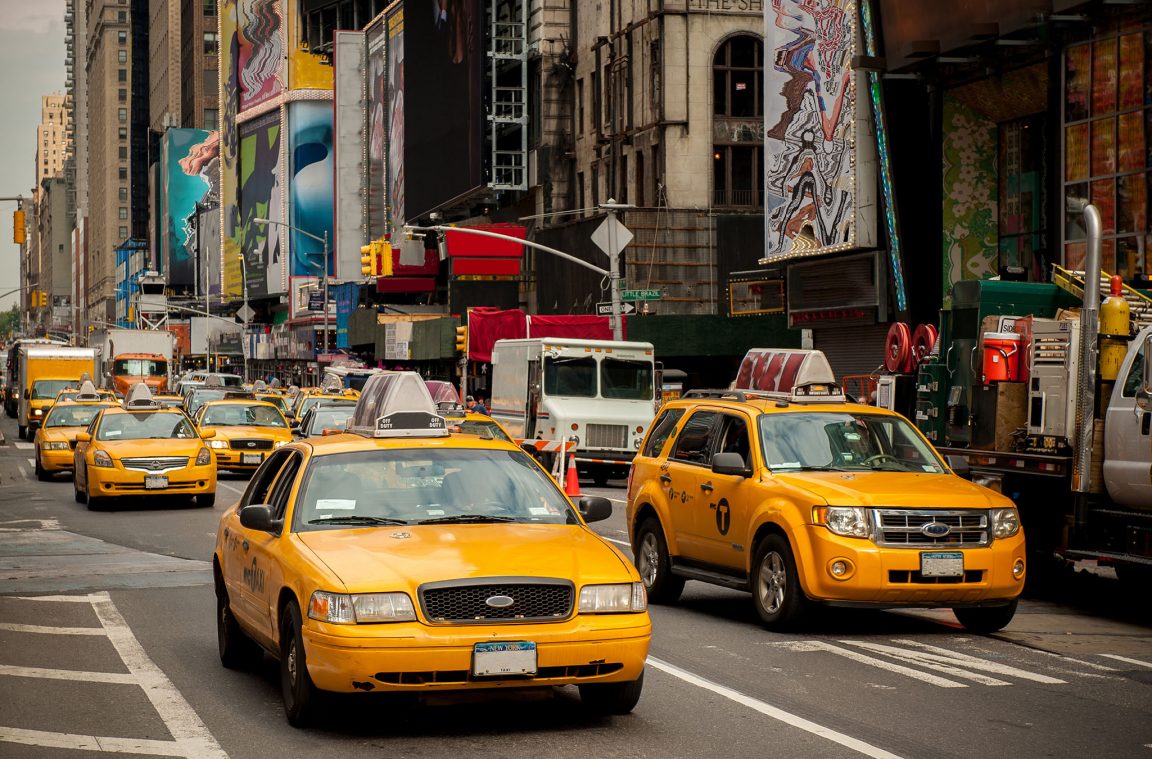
x=259, y=51
x=228, y=15
x=377, y=85
x=351, y=146
x=261, y=198
x=310, y=181
x=442, y=69
x=820, y=157
x=188, y=178
x=394, y=133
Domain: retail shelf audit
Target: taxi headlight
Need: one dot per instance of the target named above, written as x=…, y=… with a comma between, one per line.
x=363, y=608
x=1005, y=522
x=611, y=599
x=38, y=411
x=100, y=458
x=55, y=445
x=204, y=457
x=281, y=442
x=849, y=521
x=217, y=443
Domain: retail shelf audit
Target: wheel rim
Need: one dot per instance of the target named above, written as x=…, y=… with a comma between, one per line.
x=290, y=661
x=649, y=559
x=773, y=582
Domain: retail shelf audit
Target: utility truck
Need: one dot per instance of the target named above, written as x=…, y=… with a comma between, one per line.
x=131, y=356
x=598, y=394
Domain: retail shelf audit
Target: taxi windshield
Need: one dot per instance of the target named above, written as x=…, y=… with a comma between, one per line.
x=331, y=418
x=448, y=485
x=145, y=426
x=47, y=389
x=312, y=400
x=72, y=416
x=241, y=415
x=844, y=441
x=484, y=430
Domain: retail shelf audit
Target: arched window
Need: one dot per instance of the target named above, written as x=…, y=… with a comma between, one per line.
x=737, y=108
x=736, y=76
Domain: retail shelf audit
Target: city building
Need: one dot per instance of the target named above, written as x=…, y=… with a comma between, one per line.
x=76, y=164
x=54, y=226
x=53, y=135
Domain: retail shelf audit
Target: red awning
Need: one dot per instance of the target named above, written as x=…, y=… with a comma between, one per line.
x=486, y=326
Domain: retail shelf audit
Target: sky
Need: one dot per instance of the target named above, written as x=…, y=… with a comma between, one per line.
x=31, y=65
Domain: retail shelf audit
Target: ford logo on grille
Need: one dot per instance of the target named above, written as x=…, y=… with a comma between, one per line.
x=251, y=443
x=500, y=602
x=936, y=529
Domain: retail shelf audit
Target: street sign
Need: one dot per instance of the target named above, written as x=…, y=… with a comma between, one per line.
x=640, y=295
x=316, y=300
x=605, y=309
x=245, y=313
x=603, y=236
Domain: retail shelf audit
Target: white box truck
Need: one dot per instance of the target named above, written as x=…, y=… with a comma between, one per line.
x=129, y=356
x=600, y=392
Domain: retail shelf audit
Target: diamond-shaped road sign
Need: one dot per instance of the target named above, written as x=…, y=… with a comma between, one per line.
x=602, y=237
x=605, y=309
x=245, y=313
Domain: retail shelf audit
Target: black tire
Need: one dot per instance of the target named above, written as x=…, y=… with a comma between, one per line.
x=1134, y=577
x=81, y=496
x=983, y=620
x=42, y=474
x=301, y=697
x=95, y=503
x=612, y=698
x=776, y=591
x=206, y=500
x=237, y=650
x=22, y=432
x=654, y=565
x=599, y=478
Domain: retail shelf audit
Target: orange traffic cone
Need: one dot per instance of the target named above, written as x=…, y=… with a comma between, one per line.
x=571, y=481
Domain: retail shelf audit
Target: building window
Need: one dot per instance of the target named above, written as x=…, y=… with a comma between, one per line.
x=122, y=115
x=122, y=37
x=122, y=75
x=123, y=233
x=737, y=175
x=123, y=194
x=211, y=119
x=122, y=16
x=579, y=107
x=123, y=173
x=209, y=7
x=123, y=212
x=122, y=95
x=122, y=132
x=580, y=191
x=737, y=157
x=211, y=43
x=736, y=75
x=640, y=194
x=121, y=56
x=123, y=152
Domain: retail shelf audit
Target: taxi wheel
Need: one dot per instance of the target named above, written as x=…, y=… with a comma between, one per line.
x=96, y=503
x=985, y=619
x=654, y=566
x=206, y=500
x=237, y=650
x=300, y=695
x=42, y=474
x=81, y=496
x=612, y=698
x=776, y=590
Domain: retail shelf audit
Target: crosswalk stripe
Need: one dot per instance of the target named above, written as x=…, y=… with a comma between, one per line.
x=922, y=660
x=21, y=446
x=943, y=654
x=68, y=674
x=1126, y=660
x=77, y=742
x=12, y=627
x=872, y=661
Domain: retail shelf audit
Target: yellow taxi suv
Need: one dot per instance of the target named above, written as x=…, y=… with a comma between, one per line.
x=142, y=449
x=246, y=430
x=400, y=557
x=56, y=437
x=803, y=498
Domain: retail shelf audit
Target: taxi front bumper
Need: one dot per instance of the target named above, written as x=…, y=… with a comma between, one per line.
x=889, y=577
x=57, y=460
x=117, y=481
x=234, y=460
x=417, y=657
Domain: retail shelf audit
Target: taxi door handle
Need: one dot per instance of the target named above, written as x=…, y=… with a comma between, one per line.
x=707, y=487
x=227, y=532
x=666, y=479
x=244, y=545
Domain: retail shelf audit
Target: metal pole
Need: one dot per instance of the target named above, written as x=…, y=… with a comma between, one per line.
x=614, y=275
x=244, y=328
x=325, y=290
x=1086, y=377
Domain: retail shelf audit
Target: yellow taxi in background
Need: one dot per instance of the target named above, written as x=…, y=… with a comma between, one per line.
x=401, y=557
x=56, y=437
x=276, y=399
x=169, y=400
x=306, y=401
x=801, y=497
x=246, y=430
x=143, y=449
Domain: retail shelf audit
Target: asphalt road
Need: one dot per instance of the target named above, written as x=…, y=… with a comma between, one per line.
x=107, y=644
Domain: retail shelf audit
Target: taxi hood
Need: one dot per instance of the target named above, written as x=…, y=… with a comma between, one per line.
x=901, y=489
x=406, y=556
x=152, y=447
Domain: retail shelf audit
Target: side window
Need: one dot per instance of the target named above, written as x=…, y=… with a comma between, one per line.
x=662, y=429
x=694, y=439
x=733, y=437
x=1135, y=376
x=283, y=486
x=261, y=484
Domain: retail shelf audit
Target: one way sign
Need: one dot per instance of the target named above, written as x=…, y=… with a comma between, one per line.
x=605, y=309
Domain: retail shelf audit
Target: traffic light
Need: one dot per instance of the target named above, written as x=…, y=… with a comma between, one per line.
x=368, y=260
x=462, y=339
x=43, y=299
x=18, y=233
x=384, y=262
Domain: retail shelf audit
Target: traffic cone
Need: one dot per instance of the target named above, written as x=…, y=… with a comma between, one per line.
x=571, y=481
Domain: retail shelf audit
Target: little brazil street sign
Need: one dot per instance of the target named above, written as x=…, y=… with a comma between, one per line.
x=605, y=309
x=640, y=294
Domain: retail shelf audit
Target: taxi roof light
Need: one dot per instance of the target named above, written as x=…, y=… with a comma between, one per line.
x=87, y=391
x=140, y=397
x=397, y=404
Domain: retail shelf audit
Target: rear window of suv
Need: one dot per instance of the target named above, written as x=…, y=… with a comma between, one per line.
x=661, y=431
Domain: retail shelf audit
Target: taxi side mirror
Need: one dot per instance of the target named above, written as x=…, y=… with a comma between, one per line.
x=83, y=437
x=594, y=508
x=730, y=463
x=207, y=433
x=258, y=516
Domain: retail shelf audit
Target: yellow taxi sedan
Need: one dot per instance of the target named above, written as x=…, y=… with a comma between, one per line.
x=56, y=437
x=143, y=449
x=246, y=430
x=400, y=557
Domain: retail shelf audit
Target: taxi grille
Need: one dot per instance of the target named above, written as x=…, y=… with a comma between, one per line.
x=606, y=436
x=466, y=601
x=904, y=528
x=156, y=463
x=250, y=444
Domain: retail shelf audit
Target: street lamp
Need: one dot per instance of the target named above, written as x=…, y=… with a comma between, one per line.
x=324, y=241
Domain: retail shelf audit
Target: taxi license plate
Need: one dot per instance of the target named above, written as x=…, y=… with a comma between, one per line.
x=505, y=658
x=155, y=481
x=251, y=458
x=942, y=564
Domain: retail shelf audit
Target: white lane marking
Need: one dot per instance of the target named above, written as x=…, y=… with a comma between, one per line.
x=182, y=722
x=20, y=446
x=945, y=656
x=915, y=657
x=32, y=462
x=771, y=711
x=67, y=674
x=226, y=486
x=11, y=627
x=871, y=661
x=1126, y=660
x=618, y=542
x=617, y=500
x=57, y=599
x=89, y=742
x=1071, y=660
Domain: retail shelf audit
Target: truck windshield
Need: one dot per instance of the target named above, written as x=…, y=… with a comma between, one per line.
x=572, y=377
x=630, y=380
x=842, y=441
x=47, y=389
x=139, y=367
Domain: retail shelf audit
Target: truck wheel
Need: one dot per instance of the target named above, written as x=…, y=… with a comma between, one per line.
x=654, y=565
x=983, y=620
x=612, y=698
x=599, y=478
x=776, y=591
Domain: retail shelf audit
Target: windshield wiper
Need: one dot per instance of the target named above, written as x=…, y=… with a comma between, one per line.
x=355, y=519
x=466, y=519
x=786, y=469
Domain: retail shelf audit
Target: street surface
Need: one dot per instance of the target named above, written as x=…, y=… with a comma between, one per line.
x=108, y=644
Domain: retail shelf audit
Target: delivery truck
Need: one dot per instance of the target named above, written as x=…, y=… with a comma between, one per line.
x=130, y=356
x=598, y=393
x=12, y=362
x=45, y=370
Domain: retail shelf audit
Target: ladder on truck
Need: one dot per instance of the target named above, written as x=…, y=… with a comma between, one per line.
x=1139, y=304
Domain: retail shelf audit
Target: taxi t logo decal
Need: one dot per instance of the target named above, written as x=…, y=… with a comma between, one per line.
x=723, y=516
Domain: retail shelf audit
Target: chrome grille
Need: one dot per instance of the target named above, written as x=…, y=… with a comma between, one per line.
x=465, y=601
x=903, y=528
x=606, y=436
x=156, y=463
x=250, y=444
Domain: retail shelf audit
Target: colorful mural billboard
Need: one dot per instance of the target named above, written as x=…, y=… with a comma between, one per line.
x=310, y=185
x=188, y=179
x=377, y=131
x=228, y=14
x=820, y=167
x=261, y=198
x=394, y=22
x=259, y=52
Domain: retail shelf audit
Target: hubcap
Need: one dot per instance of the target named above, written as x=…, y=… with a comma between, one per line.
x=292, y=662
x=773, y=582
x=649, y=559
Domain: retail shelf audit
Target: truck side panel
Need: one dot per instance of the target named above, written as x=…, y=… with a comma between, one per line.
x=510, y=384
